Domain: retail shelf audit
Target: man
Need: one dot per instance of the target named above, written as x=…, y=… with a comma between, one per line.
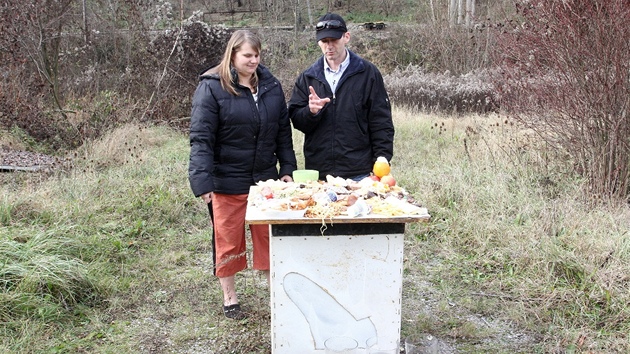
x=341, y=106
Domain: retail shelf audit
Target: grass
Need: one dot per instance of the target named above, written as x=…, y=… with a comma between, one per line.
x=113, y=254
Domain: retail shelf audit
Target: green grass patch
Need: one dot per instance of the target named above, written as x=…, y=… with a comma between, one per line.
x=113, y=255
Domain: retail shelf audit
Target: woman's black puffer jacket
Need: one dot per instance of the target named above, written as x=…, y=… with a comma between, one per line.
x=233, y=143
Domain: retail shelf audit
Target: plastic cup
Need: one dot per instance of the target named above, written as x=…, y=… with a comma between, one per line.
x=383, y=345
x=337, y=345
x=300, y=176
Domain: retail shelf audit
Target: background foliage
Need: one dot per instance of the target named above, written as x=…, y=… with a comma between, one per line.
x=565, y=73
x=559, y=67
x=105, y=256
x=140, y=60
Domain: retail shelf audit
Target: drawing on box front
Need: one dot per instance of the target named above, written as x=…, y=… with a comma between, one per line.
x=326, y=317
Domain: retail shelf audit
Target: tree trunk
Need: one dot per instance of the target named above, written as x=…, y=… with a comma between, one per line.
x=86, y=30
x=470, y=12
x=296, y=15
x=308, y=9
x=452, y=12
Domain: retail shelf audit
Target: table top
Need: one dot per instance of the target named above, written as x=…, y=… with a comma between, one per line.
x=256, y=214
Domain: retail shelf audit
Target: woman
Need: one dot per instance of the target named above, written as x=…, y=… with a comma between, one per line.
x=239, y=132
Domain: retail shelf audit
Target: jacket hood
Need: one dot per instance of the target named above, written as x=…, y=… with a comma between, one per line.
x=209, y=72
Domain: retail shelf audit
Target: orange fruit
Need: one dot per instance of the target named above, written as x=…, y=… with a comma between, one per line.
x=381, y=168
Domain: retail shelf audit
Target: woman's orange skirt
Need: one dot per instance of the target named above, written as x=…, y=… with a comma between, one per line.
x=227, y=212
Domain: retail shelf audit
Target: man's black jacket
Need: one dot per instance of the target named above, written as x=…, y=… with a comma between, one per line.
x=349, y=133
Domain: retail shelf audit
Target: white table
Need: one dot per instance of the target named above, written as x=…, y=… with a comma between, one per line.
x=344, y=279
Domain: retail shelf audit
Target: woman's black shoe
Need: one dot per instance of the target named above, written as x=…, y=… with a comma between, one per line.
x=234, y=312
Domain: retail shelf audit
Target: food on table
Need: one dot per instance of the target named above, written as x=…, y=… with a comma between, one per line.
x=389, y=180
x=335, y=197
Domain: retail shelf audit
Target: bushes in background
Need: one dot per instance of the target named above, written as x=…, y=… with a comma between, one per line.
x=413, y=87
x=565, y=73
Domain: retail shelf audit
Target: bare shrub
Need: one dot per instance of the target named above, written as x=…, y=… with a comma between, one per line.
x=139, y=63
x=565, y=73
x=437, y=47
x=178, y=57
x=414, y=88
x=288, y=53
x=24, y=107
x=401, y=54
x=31, y=36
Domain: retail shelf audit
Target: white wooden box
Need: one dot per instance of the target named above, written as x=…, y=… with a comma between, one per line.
x=344, y=281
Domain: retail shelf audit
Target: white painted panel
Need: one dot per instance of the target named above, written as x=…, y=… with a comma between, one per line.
x=324, y=286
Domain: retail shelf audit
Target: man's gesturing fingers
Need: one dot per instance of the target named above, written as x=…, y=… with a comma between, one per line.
x=315, y=104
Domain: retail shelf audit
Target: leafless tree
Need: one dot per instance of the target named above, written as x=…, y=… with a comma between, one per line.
x=565, y=73
x=461, y=13
x=37, y=28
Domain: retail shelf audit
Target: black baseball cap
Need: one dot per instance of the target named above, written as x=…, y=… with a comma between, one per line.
x=330, y=26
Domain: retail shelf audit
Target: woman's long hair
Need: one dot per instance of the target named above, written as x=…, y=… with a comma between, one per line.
x=228, y=79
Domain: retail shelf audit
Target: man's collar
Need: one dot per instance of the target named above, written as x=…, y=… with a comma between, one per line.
x=344, y=63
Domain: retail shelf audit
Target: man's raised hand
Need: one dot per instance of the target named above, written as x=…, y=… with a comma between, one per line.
x=315, y=104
